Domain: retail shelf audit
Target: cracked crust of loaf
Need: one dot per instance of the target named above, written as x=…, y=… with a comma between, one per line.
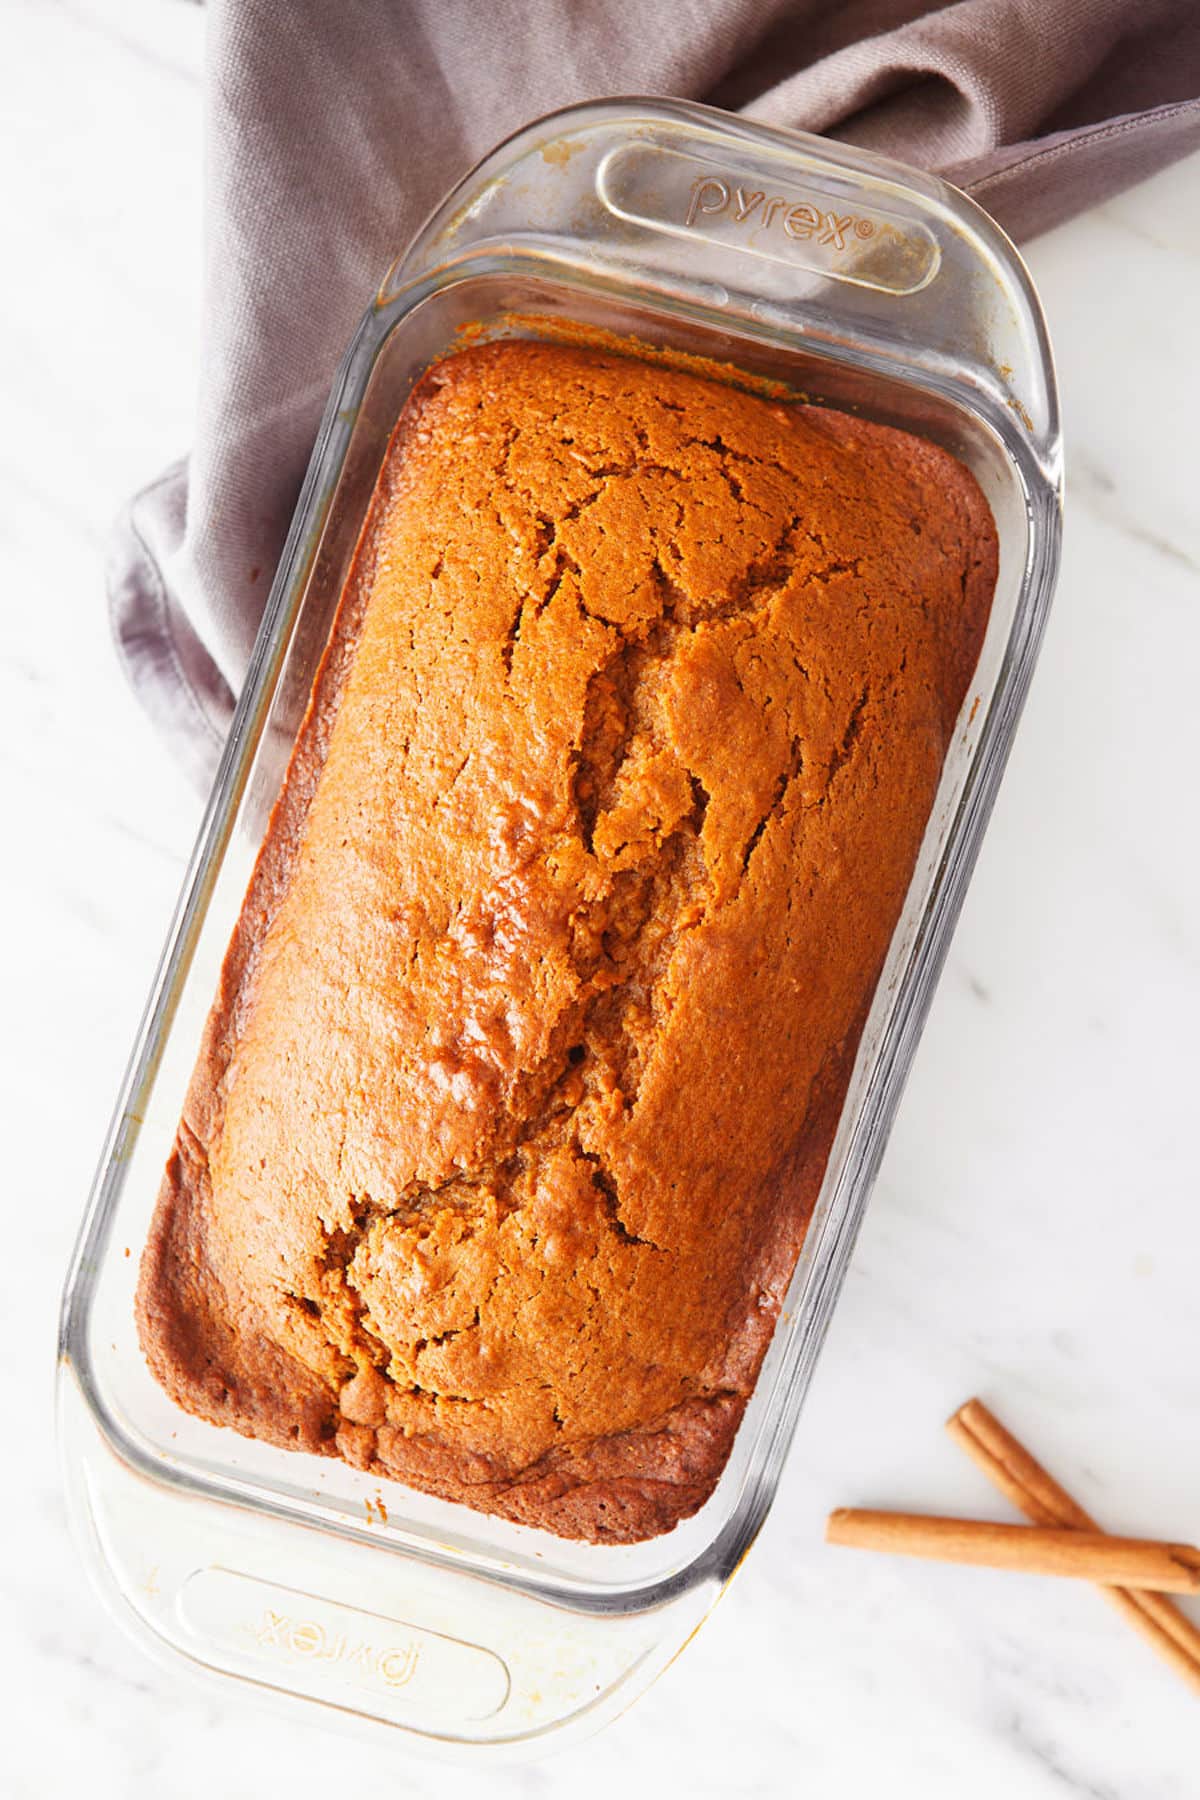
x=533, y=1033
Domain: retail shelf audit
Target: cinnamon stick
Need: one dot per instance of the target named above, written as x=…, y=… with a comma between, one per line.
x=1031, y=1549
x=1034, y=1491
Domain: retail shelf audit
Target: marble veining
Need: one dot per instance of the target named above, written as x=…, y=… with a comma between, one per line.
x=1035, y=1232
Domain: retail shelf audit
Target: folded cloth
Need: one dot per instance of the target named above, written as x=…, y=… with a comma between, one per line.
x=333, y=130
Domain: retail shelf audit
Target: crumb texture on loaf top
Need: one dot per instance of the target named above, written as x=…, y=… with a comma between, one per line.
x=514, y=1109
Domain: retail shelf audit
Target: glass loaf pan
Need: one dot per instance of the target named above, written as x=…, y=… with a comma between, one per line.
x=848, y=279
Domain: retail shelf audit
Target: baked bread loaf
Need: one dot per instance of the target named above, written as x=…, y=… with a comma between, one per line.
x=534, y=1031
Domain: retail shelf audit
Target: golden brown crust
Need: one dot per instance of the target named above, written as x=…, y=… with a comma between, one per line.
x=535, y=1028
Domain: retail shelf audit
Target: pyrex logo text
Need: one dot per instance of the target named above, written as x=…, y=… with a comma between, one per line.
x=713, y=198
x=394, y=1665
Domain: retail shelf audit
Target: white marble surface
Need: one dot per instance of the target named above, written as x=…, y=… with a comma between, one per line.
x=1035, y=1234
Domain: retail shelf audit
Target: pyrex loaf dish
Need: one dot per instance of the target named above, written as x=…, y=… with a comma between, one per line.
x=839, y=276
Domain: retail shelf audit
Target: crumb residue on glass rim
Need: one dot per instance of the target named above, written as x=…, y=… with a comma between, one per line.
x=559, y=151
x=552, y=329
